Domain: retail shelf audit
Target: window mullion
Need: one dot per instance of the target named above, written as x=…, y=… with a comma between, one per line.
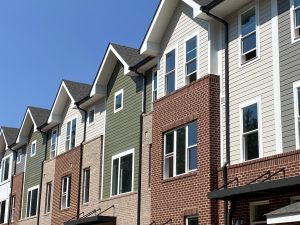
x=175, y=154
x=186, y=149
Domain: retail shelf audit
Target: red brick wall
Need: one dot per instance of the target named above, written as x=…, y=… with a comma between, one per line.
x=186, y=195
x=67, y=164
x=17, y=191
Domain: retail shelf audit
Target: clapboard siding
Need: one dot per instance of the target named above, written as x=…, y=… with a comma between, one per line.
x=182, y=26
x=122, y=128
x=20, y=166
x=289, y=55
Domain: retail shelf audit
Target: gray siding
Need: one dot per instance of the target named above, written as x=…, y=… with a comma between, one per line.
x=289, y=55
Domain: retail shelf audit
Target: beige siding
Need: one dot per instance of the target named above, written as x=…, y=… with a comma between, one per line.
x=181, y=27
x=251, y=81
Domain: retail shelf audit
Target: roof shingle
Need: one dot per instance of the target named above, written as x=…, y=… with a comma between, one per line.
x=40, y=115
x=78, y=90
x=10, y=134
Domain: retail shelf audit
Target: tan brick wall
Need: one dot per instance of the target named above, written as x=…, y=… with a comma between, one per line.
x=17, y=192
x=28, y=221
x=48, y=176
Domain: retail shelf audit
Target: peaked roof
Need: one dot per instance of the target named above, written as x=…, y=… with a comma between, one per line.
x=78, y=90
x=39, y=115
x=10, y=134
x=289, y=209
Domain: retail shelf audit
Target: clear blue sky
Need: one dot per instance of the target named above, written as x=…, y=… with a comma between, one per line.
x=43, y=42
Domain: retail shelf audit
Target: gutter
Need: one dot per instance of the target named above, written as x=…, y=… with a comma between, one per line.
x=206, y=9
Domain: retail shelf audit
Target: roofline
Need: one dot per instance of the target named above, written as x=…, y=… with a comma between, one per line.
x=25, y=116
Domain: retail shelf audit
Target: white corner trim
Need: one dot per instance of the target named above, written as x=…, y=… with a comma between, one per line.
x=33, y=143
x=296, y=85
x=276, y=78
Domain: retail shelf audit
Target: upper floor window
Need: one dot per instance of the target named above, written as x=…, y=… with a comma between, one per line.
x=180, y=150
x=122, y=173
x=2, y=211
x=191, y=59
x=65, y=192
x=248, y=35
x=19, y=156
x=295, y=19
x=192, y=220
x=296, y=86
x=91, y=116
x=118, y=101
x=86, y=185
x=250, y=139
x=33, y=149
x=5, y=169
x=53, y=144
x=48, y=197
x=154, y=85
x=170, y=72
x=32, y=201
x=71, y=134
x=258, y=211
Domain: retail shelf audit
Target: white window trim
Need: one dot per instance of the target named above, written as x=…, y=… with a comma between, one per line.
x=152, y=90
x=32, y=143
x=296, y=85
x=190, y=217
x=119, y=156
x=37, y=202
x=292, y=18
x=115, y=95
x=70, y=120
x=84, y=185
x=242, y=11
x=48, y=201
x=9, y=170
x=252, y=205
x=88, y=122
x=20, y=159
x=176, y=67
x=260, y=131
x=67, y=192
x=56, y=144
x=175, y=151
x=196, y=34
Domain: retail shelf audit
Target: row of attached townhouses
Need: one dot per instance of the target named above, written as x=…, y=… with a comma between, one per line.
x=200, y=125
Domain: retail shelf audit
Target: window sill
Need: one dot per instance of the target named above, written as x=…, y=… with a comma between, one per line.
x=248, y=63
x=118, y=196
x=182, y=176
x=65, y=210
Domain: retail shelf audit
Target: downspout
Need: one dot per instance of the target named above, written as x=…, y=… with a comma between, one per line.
x=134, y=69
x=81, y=157
x=12, y=181
x=42, y=173
x=206, y=9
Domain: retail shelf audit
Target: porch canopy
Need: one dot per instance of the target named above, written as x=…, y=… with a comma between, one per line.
x=287, y=214
x=103, y=220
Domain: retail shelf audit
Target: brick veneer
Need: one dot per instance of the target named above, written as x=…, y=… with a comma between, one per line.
x=17, y=190
x=185, y=195
x=67, y=164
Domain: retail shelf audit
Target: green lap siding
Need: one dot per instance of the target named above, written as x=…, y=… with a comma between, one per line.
x=34, y=164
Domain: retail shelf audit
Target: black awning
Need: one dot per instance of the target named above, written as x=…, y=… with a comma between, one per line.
x=257, y=188
x=111, y=220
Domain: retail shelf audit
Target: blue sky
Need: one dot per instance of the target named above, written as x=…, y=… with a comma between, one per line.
x=43, y=42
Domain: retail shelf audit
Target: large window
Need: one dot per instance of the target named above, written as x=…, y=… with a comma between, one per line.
x=5, y=169
x=295, y=19
x=65, y=192
x=48, y=197
x=250, y=131
x=258, y=211
x=154, y=85
x=296, y=86
x=192, y=220
x=33, y=149
x=248, y=35
x=170, y=72
x=86, y=185
x=13, y=208
x=122, y=173
x=71, y=134
x=118, y=101
x=32, y=201
x=53, y=144
x=181, y=150
x=2, y=211
x=191, y=59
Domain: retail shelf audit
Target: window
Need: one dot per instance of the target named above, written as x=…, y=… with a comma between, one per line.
x=248, y=35
x=181, y=150
x=5, y=169
x=170, y=72
x=13, y=208
x=19, y=156
x=154, y=85
x=86, y=185
x=65, y=192
x=71, y=134
x=191, y=59
x=48, y=197
x=122, y=173
x=91, y=116
x=118, y=102
x=295, y=19
x=53, y=144
x=250, y=130
x=192, y=220
x=258, y=211
x=33, y=149
x=32, y=201
x=296, y=86
x=2, y=211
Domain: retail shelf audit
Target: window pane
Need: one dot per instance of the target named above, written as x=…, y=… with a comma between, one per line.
x=115, y=177
x=34, y=202
x=192, y=154
x=155, y=81
x=6, y=170
x=68, y=128
x=169, y=167
x=299, y=101
x=65, y=185
x=297, y=12
x=53, y=137
x=249, y=43
x=192, y=139
x=251, y=146
x=180, y=154
x=250, y=121
x=260, y=211
x=86, y=185
x=193, y=221
x=126, y=174
x=2, y=211
x=170, y=61
x=248, y=22
x=91, y=116
x=118, y=101
x=191, y=67
x=170, y=82
x=169, y=143
x=297, y=3
x=69, y=192
x=73, y=133
x=28, y=203
x=48, y=197
x=191, y=49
